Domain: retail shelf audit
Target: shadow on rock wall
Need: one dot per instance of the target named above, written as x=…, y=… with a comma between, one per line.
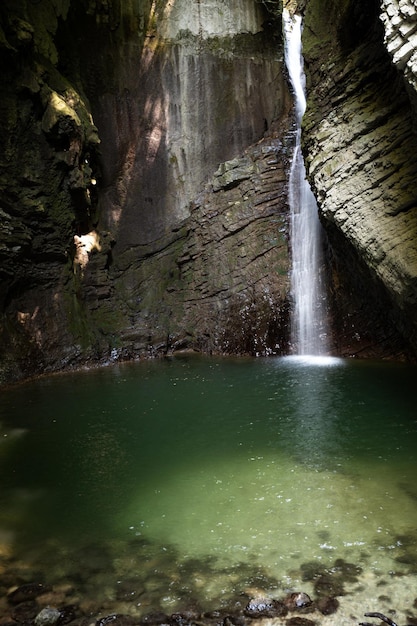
x=116, y=116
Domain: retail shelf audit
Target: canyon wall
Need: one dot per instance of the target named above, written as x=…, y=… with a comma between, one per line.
x=144, y=175
x=359, y=144
x=143, y=181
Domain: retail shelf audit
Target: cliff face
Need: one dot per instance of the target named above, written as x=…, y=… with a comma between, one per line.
x=400, y=39
x=143, y=186
x=143, y=177
x=191, y=242
x=48, y=150
x=359, y=142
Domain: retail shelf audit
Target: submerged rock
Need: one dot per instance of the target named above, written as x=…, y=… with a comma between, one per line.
x=299, y=621
x=184, y=619
x=298, y=600
x=327, y=585
x=265, y=607
x=67, y=614
x=155, y=618
x=116, y=619
x=47, y=617
x=235, y=620
x=327, y=605
x=25, y=611
x=26, y=592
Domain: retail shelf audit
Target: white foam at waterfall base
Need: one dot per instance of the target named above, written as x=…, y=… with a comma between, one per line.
x=315, y=360
x=308, y=324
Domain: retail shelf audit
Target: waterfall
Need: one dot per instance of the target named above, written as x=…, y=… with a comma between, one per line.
x=308, y=321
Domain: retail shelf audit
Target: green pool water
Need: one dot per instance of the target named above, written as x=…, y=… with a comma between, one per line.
x=202, y=478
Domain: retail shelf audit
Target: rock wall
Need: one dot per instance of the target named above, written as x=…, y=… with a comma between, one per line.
x=143, y=177
x=143, y=185
x=48, y=150
x=400, y=37
x=207, y=84
x=359, y=143
x=217, y=282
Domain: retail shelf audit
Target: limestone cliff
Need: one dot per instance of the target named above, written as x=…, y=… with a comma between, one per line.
x=143, y=185
x=359, y=143
x=143, y=177
x=400, y=38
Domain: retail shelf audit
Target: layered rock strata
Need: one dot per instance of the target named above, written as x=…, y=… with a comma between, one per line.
x=48, y=159
x=400, y=24
x=143, y=177
x=359, y=143
x=217, y=282
x=114, y=242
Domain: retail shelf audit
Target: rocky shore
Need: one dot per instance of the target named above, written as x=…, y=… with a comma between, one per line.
x=42, y=605
x=164, y=593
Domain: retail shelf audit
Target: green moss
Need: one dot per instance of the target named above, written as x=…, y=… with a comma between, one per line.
x=108, y=320
x=322, y=22
x=77, y=323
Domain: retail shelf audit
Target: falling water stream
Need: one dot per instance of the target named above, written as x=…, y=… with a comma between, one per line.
x=309, y=331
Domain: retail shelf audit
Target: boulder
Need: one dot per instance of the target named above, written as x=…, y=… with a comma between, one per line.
x=265, y=607
x=47, y=617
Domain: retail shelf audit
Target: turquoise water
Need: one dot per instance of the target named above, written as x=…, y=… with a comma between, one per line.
x=202, y=478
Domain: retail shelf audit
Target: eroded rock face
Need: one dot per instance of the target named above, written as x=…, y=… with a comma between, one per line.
x=49, y=147
x=188, y=241
x=144, y=172
x=360, y=152
x=206, y=83
x=218, y=281
x=400, y=24
x=118, y=236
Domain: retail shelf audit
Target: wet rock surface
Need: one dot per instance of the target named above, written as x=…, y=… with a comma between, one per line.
x=27, y=592
x=223, y=277
x=46, y=610
x=103, y=590
x=110, y=138
x=265, y=607
x=358, y=142
x=143, y=189
x=294, y=609
x=400, y=26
